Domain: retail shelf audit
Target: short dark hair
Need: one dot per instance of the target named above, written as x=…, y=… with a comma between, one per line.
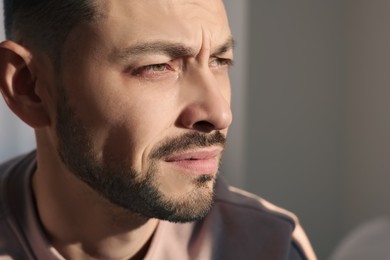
x=45, y=24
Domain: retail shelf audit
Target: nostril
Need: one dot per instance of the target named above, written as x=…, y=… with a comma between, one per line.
x=204, y=126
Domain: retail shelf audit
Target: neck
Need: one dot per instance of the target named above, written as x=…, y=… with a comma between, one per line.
x=80, y=224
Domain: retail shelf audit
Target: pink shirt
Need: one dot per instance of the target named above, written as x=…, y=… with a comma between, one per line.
x=239, y=226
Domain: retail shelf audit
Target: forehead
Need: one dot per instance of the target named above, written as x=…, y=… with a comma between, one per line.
x=186, y=21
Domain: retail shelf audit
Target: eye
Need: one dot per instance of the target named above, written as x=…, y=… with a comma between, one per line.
x=220, y=62
x=153, y=71
x=152, y=68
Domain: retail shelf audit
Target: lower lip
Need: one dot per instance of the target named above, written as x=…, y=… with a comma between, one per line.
x=198, y=167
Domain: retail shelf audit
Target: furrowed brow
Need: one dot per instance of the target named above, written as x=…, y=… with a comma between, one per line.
x=173, y=50
x=227, y=46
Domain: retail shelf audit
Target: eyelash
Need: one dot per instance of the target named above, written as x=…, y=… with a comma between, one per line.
x=222, y=62
x=158, y=69
x=151, y=67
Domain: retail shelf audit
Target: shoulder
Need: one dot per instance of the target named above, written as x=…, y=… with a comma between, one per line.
x=239, y=199
x=13, y=172
x=368, y=241
x=16, y=162
x=12, y=245
x=253, y=217
x=6, y=168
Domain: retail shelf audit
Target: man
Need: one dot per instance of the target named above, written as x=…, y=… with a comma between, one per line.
x=130, y=102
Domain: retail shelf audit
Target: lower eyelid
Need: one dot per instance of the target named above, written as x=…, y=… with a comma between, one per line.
x=152, y=74
x=156, y=75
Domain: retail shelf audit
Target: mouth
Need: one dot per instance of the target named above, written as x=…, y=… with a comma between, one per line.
x=199, y=162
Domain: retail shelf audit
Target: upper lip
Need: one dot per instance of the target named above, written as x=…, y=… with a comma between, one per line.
x=200, y=154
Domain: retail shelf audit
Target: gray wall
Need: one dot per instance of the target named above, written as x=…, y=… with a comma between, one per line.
x=234, y=165
x=296, y=111
x=1, y=17
x=368, y=107
x=318, y=130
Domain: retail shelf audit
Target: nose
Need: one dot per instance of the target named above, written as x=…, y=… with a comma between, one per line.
x=207, y=102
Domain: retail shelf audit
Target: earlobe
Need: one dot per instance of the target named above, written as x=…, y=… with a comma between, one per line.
x=18, y=85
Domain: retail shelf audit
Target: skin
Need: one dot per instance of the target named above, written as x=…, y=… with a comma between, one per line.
x=131, y=101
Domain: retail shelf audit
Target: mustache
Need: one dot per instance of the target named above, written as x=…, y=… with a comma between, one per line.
x=186, y=142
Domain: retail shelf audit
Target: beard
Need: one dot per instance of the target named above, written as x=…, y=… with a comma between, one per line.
x=118, y=182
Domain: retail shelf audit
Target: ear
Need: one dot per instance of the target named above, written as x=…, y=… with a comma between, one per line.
x=18, y=85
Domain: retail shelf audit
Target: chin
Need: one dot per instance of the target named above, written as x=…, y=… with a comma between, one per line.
x=186, y=206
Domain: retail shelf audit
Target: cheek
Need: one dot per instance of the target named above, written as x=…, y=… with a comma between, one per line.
x=127, y=124
x=145, y=124
x=224, y=82
x=125, y=117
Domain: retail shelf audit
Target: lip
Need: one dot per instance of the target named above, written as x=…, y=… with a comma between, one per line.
x=198, y=162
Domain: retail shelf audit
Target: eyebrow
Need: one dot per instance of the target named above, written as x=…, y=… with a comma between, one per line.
x=227, y=46
x=173, y=50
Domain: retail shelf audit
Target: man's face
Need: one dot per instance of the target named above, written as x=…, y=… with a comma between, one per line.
x=144, y=104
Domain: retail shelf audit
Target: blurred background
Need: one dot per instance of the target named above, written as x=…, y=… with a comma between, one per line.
x=311, y=93
x=15, y=136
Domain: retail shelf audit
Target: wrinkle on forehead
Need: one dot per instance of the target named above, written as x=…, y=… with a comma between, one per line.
x=183, y=8
x=194, y=23
x=213, y=5
x=195, y=9
x=191, y=8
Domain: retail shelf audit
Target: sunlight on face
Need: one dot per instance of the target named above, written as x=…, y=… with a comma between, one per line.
x=144, y=105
